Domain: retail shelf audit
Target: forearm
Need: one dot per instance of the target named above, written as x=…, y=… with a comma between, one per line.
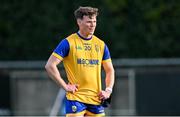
x=110, y=79
x=109, y=85
x=54, y=73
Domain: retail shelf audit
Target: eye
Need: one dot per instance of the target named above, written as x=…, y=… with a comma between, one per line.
x=89, y=21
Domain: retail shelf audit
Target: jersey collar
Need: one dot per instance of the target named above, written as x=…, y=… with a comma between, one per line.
x=83, y=37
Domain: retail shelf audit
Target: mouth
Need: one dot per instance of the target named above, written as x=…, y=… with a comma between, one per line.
x=91, y=29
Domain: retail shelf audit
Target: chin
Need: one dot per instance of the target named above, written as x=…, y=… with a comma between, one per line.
x=91, y=33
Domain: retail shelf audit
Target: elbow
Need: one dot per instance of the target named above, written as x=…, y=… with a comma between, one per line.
x=112, y=71
x=47, y=66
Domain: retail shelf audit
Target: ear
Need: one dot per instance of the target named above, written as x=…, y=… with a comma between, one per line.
x=78, y=21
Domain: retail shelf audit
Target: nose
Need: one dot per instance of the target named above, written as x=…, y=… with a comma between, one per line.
x=93, y=24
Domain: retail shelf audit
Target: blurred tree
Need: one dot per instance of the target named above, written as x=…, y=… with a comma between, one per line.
x=30, y=30
x=145, y=28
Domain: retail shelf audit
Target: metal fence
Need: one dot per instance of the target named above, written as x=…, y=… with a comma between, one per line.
x=142, y=87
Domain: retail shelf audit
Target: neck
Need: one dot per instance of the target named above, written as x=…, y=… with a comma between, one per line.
x=84, y=35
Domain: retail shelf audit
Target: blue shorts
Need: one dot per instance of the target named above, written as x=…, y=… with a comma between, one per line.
x=77, y=108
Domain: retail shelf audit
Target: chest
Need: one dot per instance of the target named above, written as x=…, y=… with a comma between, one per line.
x=86, y=50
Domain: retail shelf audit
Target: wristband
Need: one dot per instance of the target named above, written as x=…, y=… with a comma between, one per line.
x=108, y=89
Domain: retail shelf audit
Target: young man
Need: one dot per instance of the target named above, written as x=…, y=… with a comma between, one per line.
x=83, y=54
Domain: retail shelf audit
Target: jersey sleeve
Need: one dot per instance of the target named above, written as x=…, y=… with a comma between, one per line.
x=106, y=55
x=62, y=50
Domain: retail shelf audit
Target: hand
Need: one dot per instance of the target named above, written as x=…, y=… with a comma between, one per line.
x=104, y=95
x=71, y=87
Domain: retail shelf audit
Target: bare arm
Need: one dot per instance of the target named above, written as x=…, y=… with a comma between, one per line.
x=53, y=72
x=109, y=71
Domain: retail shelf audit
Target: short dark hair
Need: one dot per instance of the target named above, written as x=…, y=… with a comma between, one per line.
x=85, y=11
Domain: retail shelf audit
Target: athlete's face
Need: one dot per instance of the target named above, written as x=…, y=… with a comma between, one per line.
x=87, y=25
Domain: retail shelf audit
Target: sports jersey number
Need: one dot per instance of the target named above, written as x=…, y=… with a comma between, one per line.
x=87, y=48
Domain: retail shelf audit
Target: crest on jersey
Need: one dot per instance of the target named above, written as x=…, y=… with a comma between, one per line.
x=97, y=48
x=74, y=108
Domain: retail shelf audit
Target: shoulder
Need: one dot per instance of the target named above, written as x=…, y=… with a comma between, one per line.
x=98, y=40
x=99, y=43
x=71, y=37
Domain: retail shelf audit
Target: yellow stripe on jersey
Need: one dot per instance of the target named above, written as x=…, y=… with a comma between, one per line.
x=57, y=55
x=76, y=114
x=88, y=113
x=107, y=60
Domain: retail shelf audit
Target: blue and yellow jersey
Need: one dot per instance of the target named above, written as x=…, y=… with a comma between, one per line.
x=82, y=60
